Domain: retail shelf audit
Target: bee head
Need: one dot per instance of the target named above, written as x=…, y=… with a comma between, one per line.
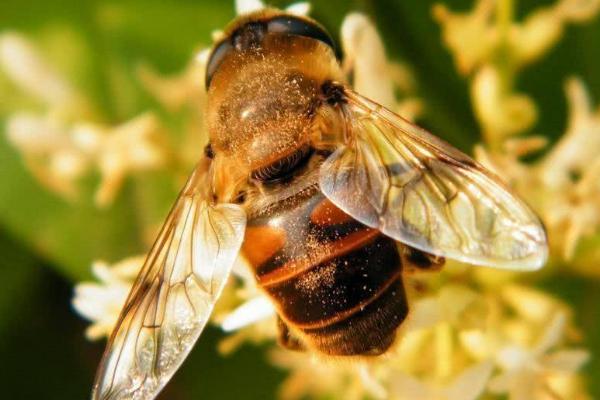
x=248, y=32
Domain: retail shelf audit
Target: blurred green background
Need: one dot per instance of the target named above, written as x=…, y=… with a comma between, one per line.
x=47, y=244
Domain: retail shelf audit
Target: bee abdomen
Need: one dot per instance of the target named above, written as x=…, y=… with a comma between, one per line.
x=369, y=331
x=324, y=293
x=334, y=280
x=350, y=305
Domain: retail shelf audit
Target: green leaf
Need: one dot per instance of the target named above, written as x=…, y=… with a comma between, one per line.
x=19, y=279
x=70, y=235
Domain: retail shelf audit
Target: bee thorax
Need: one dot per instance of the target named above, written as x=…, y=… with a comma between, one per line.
x=262, y=98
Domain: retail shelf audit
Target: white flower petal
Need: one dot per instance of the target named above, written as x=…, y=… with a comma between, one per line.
x=202, y=56
x=102, y=271
x=470, y=384
x=36, y=135
x=406, y=387
x=301, y=8
x=514, y=357
x=252, y=311
x=476, y=343
x=365, y=57
x=425, y=313
x=566, y=360
x=524, y=386
x=97, y=303
x=97, y=331
x=520, y=385
x=578, y=10
x=371, y=384
x=101, y=302
x=247, y=6
x=22, y=63
x=553, y=333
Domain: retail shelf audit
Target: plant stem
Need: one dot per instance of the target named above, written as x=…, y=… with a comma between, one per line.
x=505, y=65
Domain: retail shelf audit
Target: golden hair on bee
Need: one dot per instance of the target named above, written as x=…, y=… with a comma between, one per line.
x=263, y=80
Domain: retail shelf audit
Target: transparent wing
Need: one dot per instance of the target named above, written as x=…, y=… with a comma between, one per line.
x=173, y=296
x=392, y=175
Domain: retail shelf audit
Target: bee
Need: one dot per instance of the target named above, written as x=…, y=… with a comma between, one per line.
x=328, y=196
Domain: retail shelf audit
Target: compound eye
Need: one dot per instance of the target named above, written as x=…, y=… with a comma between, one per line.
x=216, y=58
x=298, y=26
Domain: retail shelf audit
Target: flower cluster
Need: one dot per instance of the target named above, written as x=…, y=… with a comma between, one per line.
x=460, y=341
x=563, y=185
x=60, y=142
x=102, y=302
x=471, y=333
x=491, y=47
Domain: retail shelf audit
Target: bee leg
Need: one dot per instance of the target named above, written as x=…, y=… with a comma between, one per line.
x=286, y=339
x=414, y=260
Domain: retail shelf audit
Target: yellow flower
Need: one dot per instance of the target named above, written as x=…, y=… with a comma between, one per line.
x=563, y=185
x=59, y=153
x=528, y=373
x=469, y=385
x=474, y=37
x=543, y=28
x=49, y=150
x=118, y=151
x=369, y=70
x=314, y=377
x=186, y=88
x=491, y=47
x=61, y=144
x=24, y=66
x=244, y=312
x=500, y=114
x=470, y=36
